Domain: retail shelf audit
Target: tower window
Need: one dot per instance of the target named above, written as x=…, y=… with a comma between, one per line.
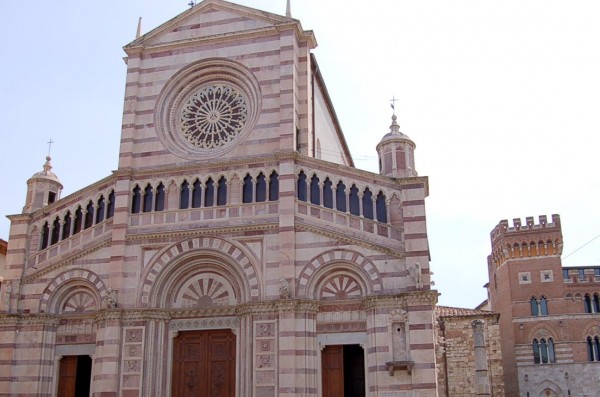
x=51, y=197
x=543, y=351
x=587, y=303
x=593, y=347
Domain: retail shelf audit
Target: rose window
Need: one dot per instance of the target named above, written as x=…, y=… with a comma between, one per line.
x=213, y=116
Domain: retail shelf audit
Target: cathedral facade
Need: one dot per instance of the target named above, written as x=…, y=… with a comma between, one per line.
x=236, y=250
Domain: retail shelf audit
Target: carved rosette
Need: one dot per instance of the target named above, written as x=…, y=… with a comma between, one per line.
x=206, y=109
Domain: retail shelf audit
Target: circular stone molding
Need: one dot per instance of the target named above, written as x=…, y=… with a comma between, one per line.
x=207, y=108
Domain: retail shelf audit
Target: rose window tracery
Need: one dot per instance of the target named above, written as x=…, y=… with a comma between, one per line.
x=213, y=116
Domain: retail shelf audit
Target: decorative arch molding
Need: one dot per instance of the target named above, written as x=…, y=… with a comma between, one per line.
x=351, y=263
x=591, y=329
x=200, y=259
x=547, y=388
x=542, y=331
x=73, y=289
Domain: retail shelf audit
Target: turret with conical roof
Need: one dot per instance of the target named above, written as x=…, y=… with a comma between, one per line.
x=396, y=153
x=43, y=188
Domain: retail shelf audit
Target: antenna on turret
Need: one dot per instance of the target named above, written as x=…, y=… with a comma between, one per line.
x=50, y=142
x=192, y=3
x=288, y=9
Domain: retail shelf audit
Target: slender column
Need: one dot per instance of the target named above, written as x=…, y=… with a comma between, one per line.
x=481, y=368
x=347, y=194
x=321, y=194
x=61, y=224
x=360, y=204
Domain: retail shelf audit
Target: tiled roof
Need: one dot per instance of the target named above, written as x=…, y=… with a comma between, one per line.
x=446, y=311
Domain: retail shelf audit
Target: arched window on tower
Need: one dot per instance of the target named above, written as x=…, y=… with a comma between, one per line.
x=534, y=307
x=543, y=351
x=136, y=200
x=148, y=198
x=209, y=193
x=302, y=196
x=315, y=190
x=367, y=204
x=110, y=208
x=340, y=197
x=587, y=303
x=67, y=226
x=159, y=204
x=593, y=348
x=327, y=193
x=196, y=194
x=543, y=306
x=89, y=215
x=261, y=188
x=381, y=208
x=247, y=191
x=596, y=303
x=184, y=195
x=354, y=203
x=274, y=186
x=222, y=191
x=100, y=210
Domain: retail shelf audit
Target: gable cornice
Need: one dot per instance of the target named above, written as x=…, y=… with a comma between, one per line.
x=280, y=23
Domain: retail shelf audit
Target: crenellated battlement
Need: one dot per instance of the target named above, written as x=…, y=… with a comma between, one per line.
x=524, y=240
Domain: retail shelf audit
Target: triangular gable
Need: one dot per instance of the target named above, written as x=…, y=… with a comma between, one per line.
x=211, y=18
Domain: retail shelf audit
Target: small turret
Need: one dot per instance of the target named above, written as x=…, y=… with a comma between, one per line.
x=396, y=153
x=43, y=188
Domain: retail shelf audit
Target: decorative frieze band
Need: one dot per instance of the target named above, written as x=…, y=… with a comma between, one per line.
x=279, y=306
x=418, y=298
x=29, y=319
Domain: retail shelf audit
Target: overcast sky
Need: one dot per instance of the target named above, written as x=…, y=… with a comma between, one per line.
x=502, y=99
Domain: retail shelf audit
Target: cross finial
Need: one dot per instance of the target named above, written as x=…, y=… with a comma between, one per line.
x=393, y=101
x=192, y=3
x=50, y=142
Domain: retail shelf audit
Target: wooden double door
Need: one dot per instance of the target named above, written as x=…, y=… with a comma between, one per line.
x=204, y=364
x=343, y=371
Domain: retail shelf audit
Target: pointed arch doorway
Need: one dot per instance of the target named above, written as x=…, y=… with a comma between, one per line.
x=204, y=364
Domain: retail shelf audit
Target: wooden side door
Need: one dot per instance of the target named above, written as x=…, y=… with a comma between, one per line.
x=332, y=364
x=67, y=376
x=204, y=364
